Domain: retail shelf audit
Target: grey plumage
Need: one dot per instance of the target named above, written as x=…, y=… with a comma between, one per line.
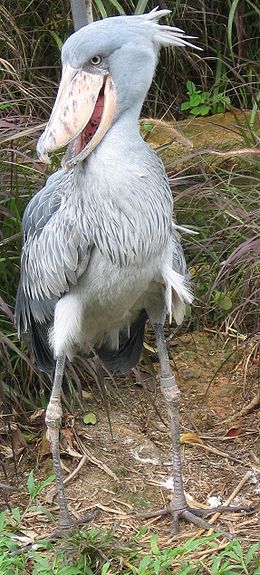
x=100, y=249
x=101, y=252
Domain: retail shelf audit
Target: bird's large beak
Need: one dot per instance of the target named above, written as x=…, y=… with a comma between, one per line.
x=82, y=114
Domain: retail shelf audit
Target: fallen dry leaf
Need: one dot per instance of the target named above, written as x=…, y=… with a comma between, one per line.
x=233, y=432
x=190, y=437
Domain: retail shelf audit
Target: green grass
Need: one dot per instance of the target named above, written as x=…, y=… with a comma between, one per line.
x=222, y=206
x=224, y=258
x=105, y=551
x=101, y=552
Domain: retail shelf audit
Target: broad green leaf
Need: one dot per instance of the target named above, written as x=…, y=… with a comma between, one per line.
x=90, y=418
x=204, y=110
x=200, y=111
x=225, y=303
x=185, y=106
x=195, y=100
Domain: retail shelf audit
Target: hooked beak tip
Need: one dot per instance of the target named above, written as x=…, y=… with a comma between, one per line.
x=42, y=153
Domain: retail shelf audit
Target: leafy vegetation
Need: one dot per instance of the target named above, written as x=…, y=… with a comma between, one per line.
x=224, y=257
x=96, y=552
x=222, y=206
x=202, y=103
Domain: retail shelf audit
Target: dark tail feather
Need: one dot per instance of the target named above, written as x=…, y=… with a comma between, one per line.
x=40, y=346
x=128, y=354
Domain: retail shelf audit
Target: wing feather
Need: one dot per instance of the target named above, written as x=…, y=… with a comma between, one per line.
x=55, y=253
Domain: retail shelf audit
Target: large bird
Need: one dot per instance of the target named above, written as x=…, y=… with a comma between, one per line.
x=101, y=252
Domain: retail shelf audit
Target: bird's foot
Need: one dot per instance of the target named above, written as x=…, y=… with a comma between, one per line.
x=195, y=515
x=67, y=522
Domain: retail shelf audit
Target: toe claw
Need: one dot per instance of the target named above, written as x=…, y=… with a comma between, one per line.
x=196, y=516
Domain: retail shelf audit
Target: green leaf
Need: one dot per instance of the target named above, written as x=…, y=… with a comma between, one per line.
x=226, y=100
x=251, y=553
x=204, y=96
x=204, y=110
x=105, y=568
x=31, y=483
x=141, y=532
x=90, y=418
x=141, y=7
x=44, y=483
x=225, y=303
x=200, y=111
x=144, y=564
x=219, y=109
x=187, y=311
x=185, y=106
x=118, y=6
x=195, y=100
x=157, y=566
x=191, y=88
x=16, y=514
x=57, y=39
x=148, y=127
x=101, y=8
x=154, y=546
x=231, y=18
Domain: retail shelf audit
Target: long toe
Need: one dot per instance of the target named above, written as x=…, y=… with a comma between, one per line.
x=65, y=524
x=195, y=515
x=191, y=516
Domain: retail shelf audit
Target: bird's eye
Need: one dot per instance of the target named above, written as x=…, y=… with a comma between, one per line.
x=96, y=60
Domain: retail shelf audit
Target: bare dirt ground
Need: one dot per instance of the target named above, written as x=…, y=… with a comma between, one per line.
x=129, y=473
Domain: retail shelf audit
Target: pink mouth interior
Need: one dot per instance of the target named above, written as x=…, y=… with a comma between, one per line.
x=91, y=127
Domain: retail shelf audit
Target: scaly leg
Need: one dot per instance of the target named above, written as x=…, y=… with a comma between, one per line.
x=53, y=421
x=178, y=507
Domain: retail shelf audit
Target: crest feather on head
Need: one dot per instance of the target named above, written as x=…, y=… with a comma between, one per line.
x=165, y=35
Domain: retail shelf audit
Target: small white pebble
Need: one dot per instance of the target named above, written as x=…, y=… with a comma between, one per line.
x=213, y=501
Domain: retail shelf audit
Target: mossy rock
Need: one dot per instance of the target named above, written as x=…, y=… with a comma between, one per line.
x=189, y=144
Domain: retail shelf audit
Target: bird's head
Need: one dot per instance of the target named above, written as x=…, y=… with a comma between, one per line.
x=107, y=69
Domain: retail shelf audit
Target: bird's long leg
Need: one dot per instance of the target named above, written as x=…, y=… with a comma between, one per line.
x=53, y=421
x=178, y=507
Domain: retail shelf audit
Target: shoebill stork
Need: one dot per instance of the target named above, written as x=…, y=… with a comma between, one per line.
x=101, y=252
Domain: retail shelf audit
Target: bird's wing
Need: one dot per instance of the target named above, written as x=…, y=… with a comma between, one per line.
x=56, y=249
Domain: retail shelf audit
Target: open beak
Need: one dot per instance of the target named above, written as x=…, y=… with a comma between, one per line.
x=82, y=114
